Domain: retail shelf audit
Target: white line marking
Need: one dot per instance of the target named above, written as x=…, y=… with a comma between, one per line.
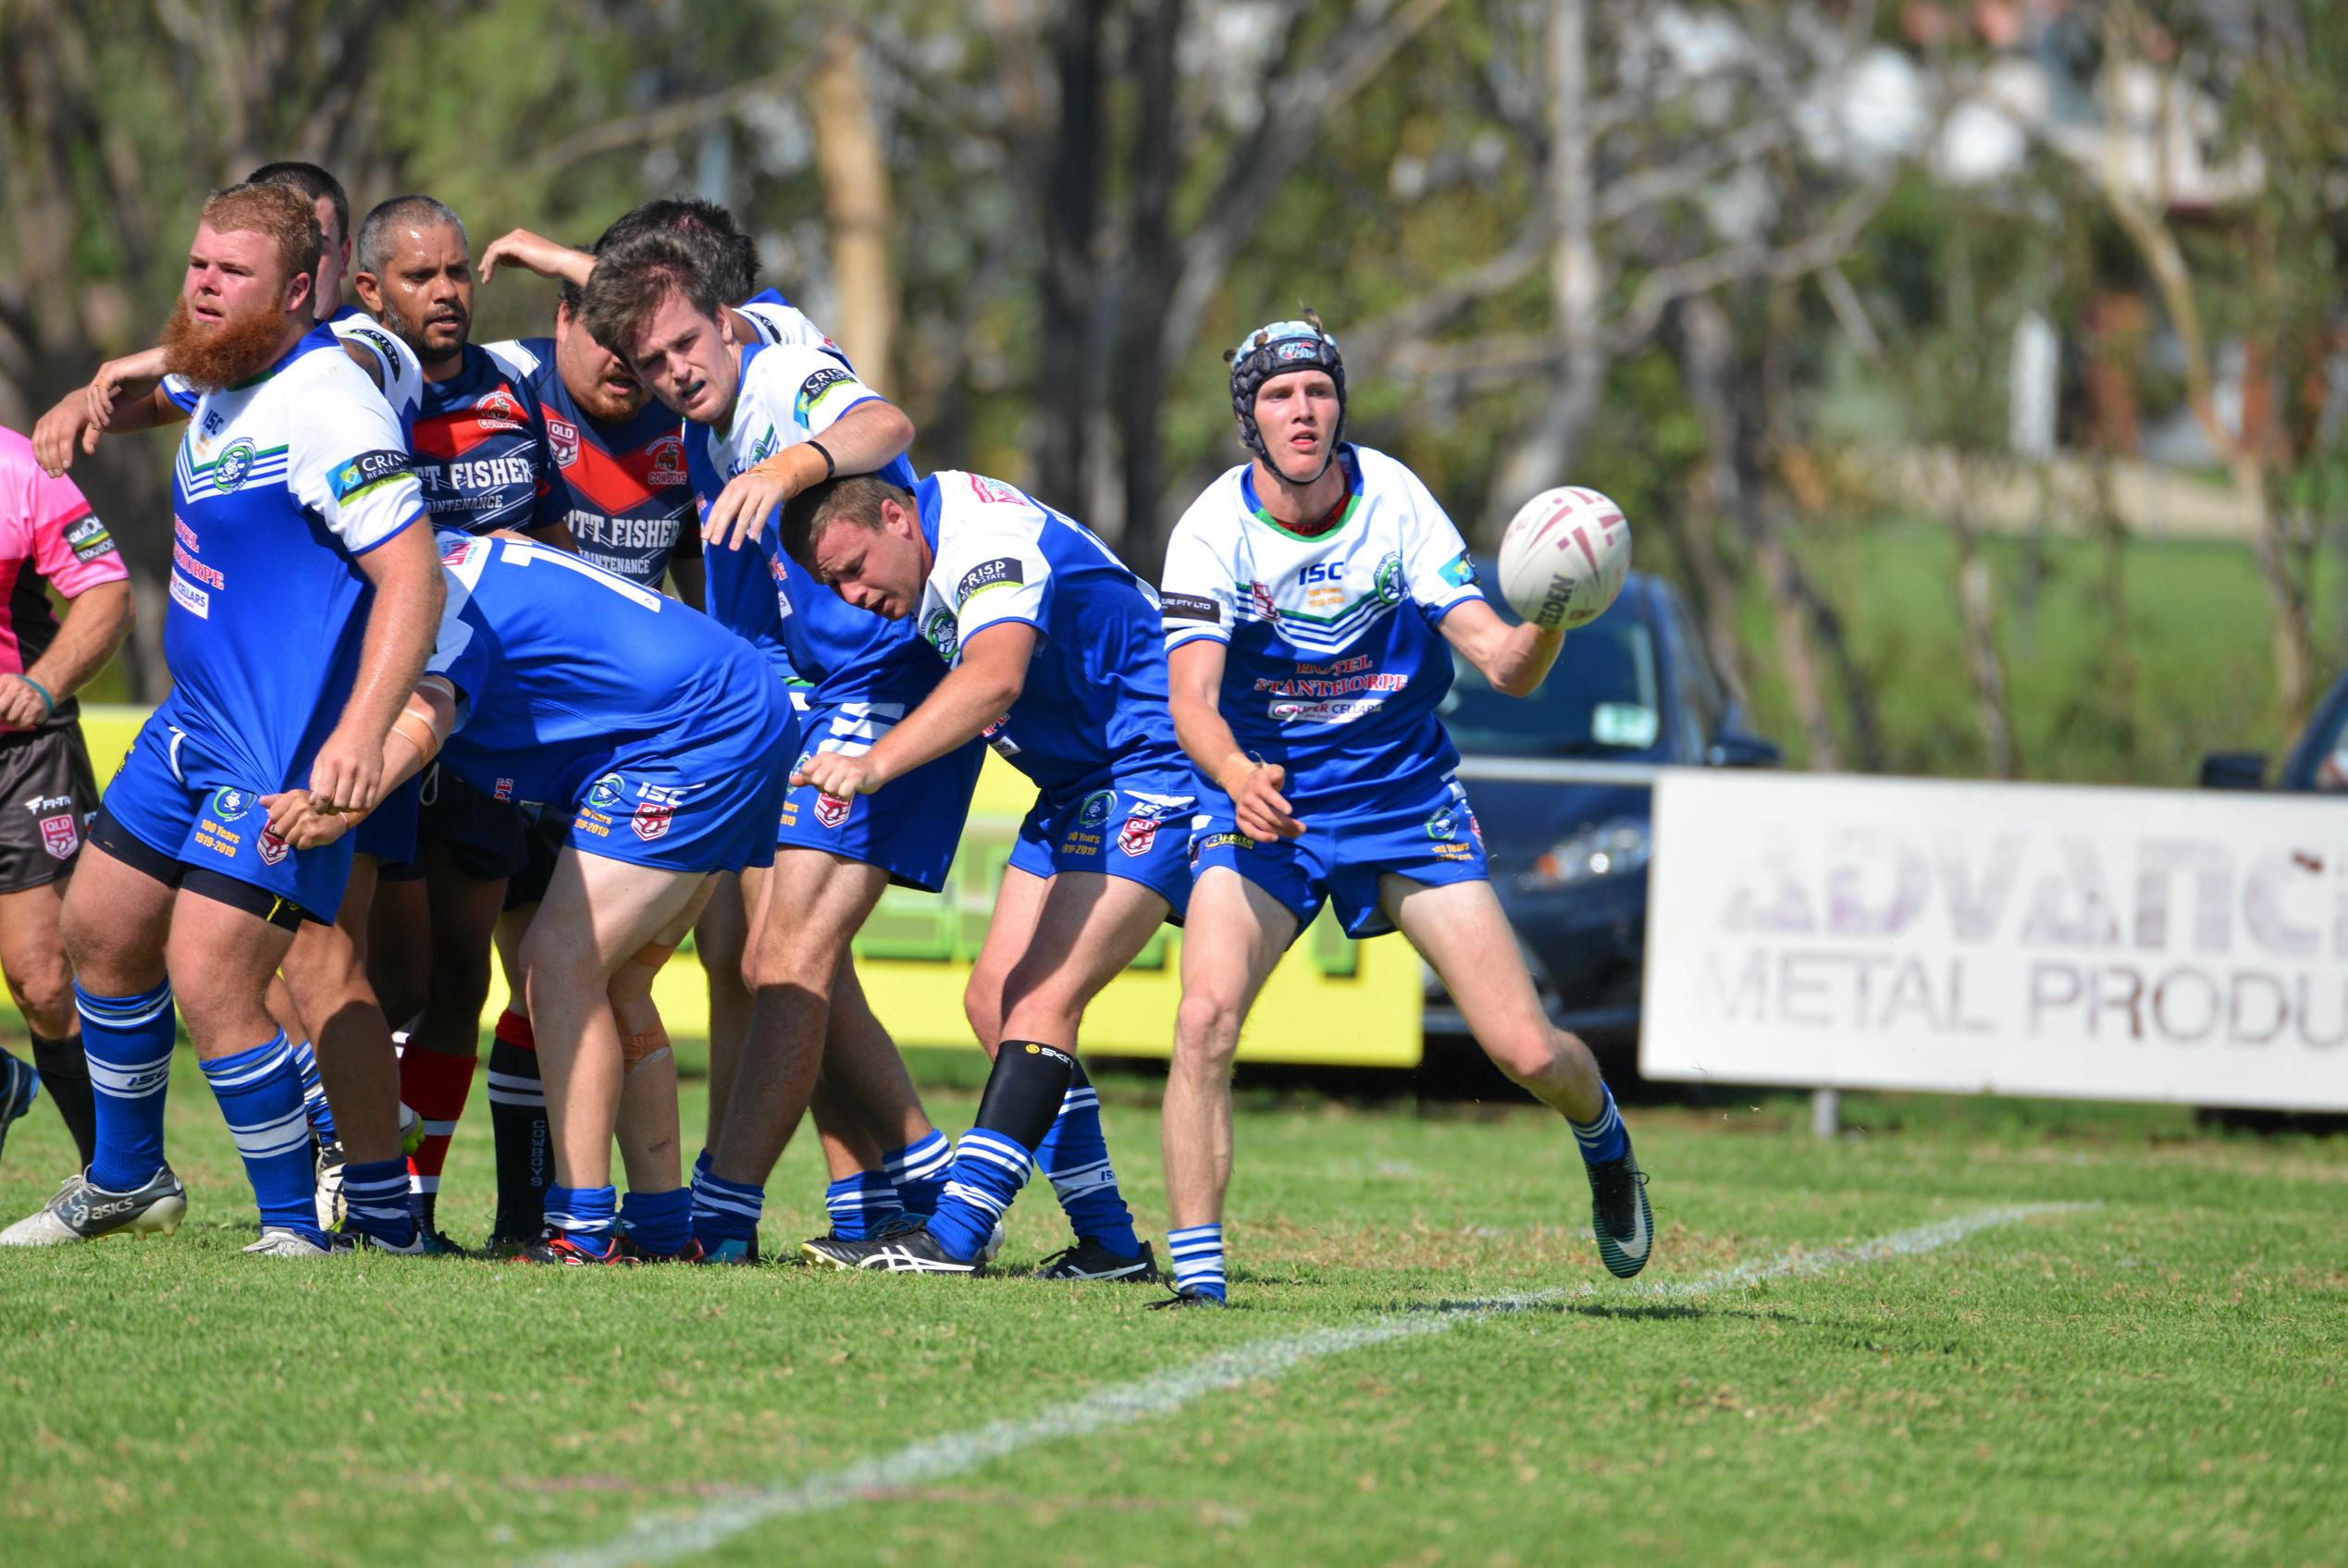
x=669, y=1538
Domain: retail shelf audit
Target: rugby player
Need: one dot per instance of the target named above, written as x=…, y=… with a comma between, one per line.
x=1053, y=644
x=754, y=411
x=482, y=454
x=592, y=726
x=302, y=603
x=49, y=541
x=1314, y=599
x=326, y=969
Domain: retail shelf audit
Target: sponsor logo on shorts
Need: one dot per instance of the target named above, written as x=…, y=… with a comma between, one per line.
x=1095, y=812
x=997, y=737
x=1138, y=837
x=1443, y=825
x=1201, y=843
x=228, y=802
x=60, y=836
x=562, y=438
x=831, y=809
x=651, y=820
x=503, y=790
x=273, y=849
x=1163, y=808
x=608, y=793
x=36, y=804
x=1475, y=828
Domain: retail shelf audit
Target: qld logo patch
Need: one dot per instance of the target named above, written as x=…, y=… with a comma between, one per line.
x=60, y=836
x=273, y=849
x=831, y=809
x=651, y=820
x=1138, y=837
x=563, y=438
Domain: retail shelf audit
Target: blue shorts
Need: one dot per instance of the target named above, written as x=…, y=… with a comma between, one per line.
x=482, y=831
x=1133, y=827
x=708, y=807
x=1431, y=839
x=909, y=829
x=387, y=832
x=178, y=798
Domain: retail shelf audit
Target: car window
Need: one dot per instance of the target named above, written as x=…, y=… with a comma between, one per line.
x=1603, y=699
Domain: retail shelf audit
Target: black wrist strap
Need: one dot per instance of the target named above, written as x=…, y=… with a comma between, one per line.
x=830, y=468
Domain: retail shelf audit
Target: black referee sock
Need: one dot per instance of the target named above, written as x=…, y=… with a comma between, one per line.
x=65, y=1078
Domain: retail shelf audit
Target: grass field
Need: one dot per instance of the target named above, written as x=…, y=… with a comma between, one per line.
x=1850, y=1353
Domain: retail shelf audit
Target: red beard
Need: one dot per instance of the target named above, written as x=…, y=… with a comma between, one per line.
x=209, y=358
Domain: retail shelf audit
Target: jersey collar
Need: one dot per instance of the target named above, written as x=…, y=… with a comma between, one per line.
x=1329, y=526
x=749, y=351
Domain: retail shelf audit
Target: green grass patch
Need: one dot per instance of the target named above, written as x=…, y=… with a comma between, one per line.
x=2157, y=1378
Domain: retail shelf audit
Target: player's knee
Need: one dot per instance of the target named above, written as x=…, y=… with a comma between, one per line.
x=1530, y=1052
x=982, y=1006
x=1207, y=1028
x=43, y=987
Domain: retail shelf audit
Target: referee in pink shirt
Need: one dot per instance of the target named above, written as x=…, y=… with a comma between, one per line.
x=50, y=542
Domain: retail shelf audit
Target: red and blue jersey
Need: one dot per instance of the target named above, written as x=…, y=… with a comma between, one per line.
x=620, y=487
x=480, y=451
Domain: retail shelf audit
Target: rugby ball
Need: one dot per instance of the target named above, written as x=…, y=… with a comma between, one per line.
x=1564, y=557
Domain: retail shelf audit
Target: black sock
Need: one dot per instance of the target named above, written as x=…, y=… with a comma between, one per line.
x=526, y=1149
x=65, y=1078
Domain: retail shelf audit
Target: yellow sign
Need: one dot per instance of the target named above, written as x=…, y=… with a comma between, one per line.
x=1331, y=1001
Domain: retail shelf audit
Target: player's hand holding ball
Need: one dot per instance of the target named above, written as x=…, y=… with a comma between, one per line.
x=1563, y=558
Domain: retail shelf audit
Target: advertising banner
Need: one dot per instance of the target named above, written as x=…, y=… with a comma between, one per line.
x=2011, y=939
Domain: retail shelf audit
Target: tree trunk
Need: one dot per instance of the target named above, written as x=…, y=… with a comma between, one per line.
x=1069, y=200
x=855, y=173
x=1155, y=256
x=1544, y=451
x=1984, y=668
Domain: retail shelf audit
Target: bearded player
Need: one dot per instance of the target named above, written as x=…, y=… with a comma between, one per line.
x=302, y=603
x=1313, y=719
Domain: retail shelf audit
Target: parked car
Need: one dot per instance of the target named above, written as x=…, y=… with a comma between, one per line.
x=2318, y=762
x=1569, y=856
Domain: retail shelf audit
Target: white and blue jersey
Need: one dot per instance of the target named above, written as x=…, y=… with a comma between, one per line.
x=1335, y=668
x=279, y=484
x=1091, y=725
x=855, y=674
x=664, y=737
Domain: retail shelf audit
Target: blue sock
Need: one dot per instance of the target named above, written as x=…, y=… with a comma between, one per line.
x=260, y=1095
x=989, y=1170
x=375, y=1196
x=1605, y=1140
x=658, y=1222
x=919, y=1170
x=725, y=1211
x=589, y=1216
x=1197, y=1253
x=127, y=1040
x=314, y=1098
x=700, y=1169
x=861, y=1205
x=1074, y=1156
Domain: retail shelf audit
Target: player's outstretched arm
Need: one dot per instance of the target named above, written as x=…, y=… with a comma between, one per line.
x=860, y=441
x=974, y=693
x=1516, y=660
x=405, y=571
x=1194, y=677
x=125, y=396
x=536, y=252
